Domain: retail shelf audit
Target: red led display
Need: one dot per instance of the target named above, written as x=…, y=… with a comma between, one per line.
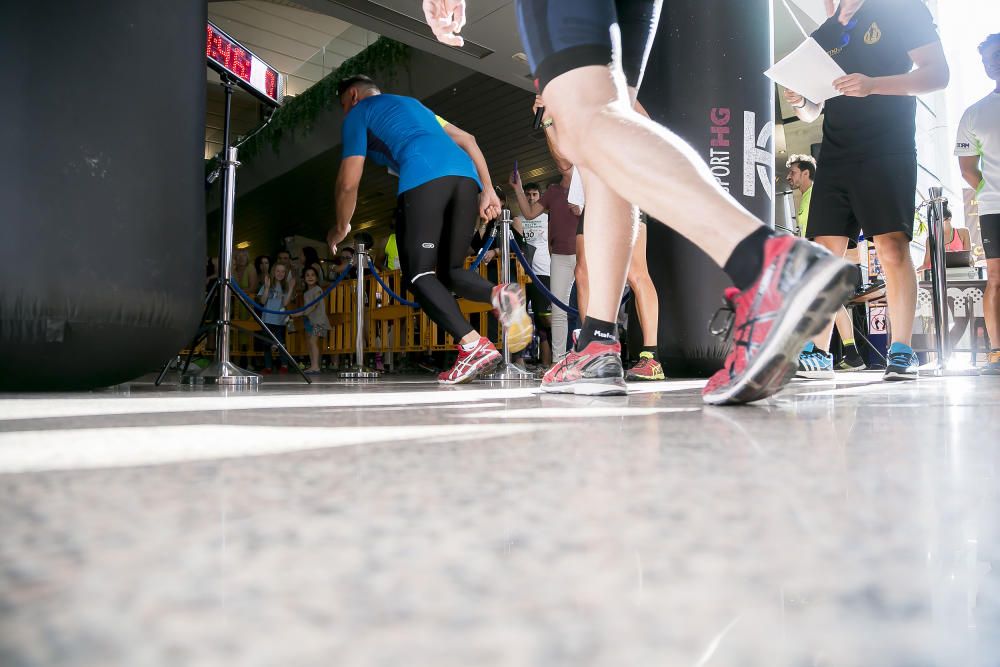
x=225, y=54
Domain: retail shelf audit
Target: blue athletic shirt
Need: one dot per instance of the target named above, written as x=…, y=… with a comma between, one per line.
x=402, y=134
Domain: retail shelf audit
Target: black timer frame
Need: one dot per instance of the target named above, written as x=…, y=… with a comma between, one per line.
x=222, y=371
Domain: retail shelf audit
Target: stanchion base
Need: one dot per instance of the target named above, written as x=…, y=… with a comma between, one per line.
x=508, y=373
x=359, y=373
x=222, y=373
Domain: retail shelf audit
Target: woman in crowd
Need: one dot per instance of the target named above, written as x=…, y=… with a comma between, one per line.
x=956, y=239
x=262, y=266
x=316, y=323
x=246, y=277
x=275, y=294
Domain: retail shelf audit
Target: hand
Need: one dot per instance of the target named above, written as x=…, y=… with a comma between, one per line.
x=489, y=256
x=575, y=210
x=335, y=236
x=855, y=85
x=489, y=204
x=446, y=19
x=515, y=180
x=538, y=103
x=848, y=8
x=794, y=98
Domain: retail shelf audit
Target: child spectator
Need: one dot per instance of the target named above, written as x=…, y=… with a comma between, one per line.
x=317, y=324
x=310, y=260
x=275, y=294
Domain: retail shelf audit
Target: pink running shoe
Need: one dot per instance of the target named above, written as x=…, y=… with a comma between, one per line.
x=594, y=371
x=481, y=359
x=800, y=287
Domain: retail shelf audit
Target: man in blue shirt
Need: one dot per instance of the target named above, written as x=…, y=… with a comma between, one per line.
x=444, y=184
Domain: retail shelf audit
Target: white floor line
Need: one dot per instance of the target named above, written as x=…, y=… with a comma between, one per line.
x=123, y=447
x=47, y=408
x=214, y=399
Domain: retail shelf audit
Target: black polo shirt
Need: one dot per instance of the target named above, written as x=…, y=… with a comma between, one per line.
x=884, y=33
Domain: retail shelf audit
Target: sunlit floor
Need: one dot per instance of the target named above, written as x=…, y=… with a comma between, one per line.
x=398, y=524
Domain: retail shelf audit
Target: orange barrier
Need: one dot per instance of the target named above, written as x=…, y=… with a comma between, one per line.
x=389, y=326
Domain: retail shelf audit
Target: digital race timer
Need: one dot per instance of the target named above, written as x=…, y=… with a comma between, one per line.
x=227, y=56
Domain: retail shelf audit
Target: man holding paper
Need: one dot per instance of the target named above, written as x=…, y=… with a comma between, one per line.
x=890, y=52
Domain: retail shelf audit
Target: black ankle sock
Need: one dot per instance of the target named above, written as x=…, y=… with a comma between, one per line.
x=851, y=351
x=649, y=348
x=743, y=266
x=597, y=331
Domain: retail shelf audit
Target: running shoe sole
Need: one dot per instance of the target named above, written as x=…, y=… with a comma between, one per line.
x=815, y=375
x=851, y=369
x=605, y=387
x=893, y=376
x=513, y=314
x=804, y=316
x=630, y=376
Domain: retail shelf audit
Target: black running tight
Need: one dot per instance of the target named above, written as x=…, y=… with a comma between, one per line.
x=435, y=225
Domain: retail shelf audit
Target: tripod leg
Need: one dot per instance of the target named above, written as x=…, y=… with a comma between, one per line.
x=202, y=330
x=270, y=336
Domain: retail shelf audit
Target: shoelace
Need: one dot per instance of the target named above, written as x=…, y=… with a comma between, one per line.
x=728, y=310
x=903, y=359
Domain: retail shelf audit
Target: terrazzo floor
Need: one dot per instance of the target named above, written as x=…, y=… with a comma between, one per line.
x=396, y=524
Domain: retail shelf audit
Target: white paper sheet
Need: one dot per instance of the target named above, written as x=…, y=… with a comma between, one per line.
x=814, y=9
x=809, y=71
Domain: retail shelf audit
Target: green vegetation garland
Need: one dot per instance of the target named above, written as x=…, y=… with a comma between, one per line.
x=381, y=58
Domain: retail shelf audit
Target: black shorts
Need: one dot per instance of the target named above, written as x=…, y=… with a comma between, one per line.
x=989, y=225
x=540, y=304
x=563, y=35
x=876, y=196
x=852, y=242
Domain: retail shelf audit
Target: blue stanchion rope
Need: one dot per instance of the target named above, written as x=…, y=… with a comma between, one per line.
x=378, y=278
x=538, y=283
x=475, y=265
x=482, y=253
x=261, y=308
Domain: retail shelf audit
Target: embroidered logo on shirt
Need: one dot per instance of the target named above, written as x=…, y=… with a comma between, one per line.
x=874, y=35
x=427, y=245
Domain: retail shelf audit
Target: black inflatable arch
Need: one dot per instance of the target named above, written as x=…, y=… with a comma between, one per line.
x=705, y=82
x=103, y=252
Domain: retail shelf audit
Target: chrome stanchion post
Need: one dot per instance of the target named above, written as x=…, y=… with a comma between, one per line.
x=507, y=370
x=359, y=371
x=939, y=284
x=222, y=370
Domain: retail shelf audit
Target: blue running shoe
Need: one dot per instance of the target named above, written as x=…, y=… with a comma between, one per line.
x=901, y=364
x=815, y=364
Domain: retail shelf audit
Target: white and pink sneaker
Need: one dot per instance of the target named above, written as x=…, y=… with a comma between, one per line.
x=481, y=359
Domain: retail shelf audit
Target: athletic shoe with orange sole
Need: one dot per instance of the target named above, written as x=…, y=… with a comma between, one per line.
x=647, y=369
x=510, y=307
x=595, y=370
x=800, y=287
x=482, y=359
